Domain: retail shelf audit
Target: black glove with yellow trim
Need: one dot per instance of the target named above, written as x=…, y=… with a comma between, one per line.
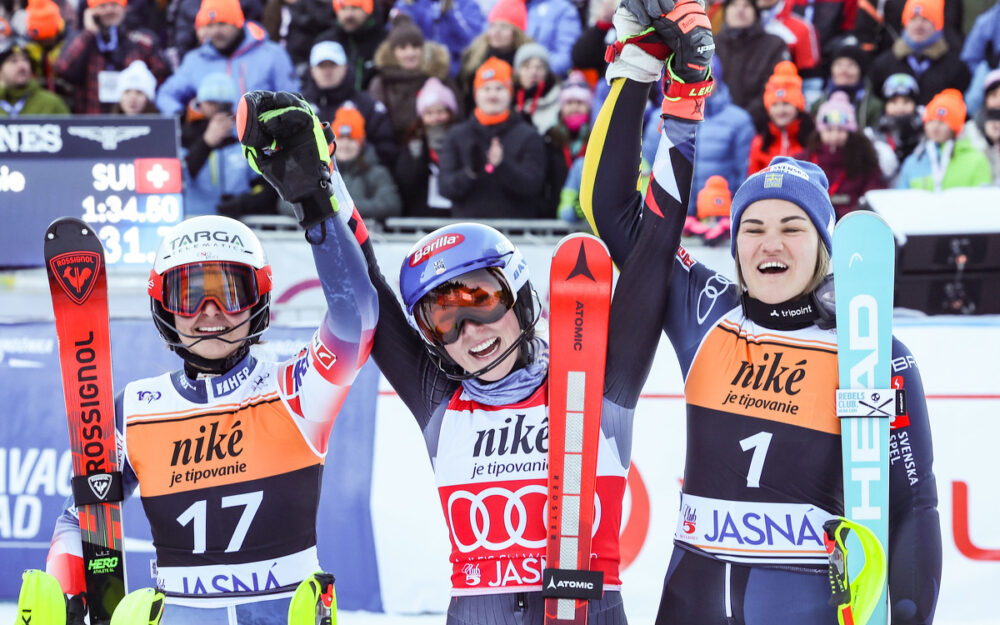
x=285, y=142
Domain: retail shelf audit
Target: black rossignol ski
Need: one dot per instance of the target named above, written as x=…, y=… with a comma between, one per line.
x=74, y=258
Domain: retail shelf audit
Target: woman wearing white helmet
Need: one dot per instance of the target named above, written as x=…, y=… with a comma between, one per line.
x=228, y=451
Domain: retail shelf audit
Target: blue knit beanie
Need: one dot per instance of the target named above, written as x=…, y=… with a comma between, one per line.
x=800, y=182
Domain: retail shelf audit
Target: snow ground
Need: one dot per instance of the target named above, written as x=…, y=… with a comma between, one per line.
x=8, y=612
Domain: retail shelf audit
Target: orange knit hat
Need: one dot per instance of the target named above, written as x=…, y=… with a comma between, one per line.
x=948, y=107
x=368, y=6
x=221, y=11
x=511, y=11
x=94, y=3
x=784, y=85
x=43, y=20
x=494, y=69
x=932, y=10
x=349, y=123
x=715, y=199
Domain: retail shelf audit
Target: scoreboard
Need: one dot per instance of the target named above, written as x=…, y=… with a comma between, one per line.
x=121, y=174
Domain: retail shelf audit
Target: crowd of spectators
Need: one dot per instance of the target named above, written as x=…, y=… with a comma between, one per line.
x=482, y=108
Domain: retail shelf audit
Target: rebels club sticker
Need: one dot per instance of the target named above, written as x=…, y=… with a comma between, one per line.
x=76, y=273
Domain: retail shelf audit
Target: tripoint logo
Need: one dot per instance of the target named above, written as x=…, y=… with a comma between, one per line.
x=444, y=242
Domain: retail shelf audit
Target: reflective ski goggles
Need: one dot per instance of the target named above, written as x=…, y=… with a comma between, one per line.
x=900, y=84
x=233, y=287
x=481, y=296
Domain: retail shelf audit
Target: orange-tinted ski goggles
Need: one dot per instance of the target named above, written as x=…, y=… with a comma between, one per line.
x=481, y=296
x=234, y=287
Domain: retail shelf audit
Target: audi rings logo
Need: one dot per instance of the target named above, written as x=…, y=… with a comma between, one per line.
x=712, y=290
x=515, y=517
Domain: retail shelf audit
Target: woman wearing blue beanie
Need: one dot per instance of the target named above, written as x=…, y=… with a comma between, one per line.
x=763, y=467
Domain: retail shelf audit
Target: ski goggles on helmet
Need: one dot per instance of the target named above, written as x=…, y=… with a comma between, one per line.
x=481, y=296
x=233, y=287
x=900, y=84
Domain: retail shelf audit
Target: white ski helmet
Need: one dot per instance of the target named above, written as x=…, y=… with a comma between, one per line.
x=217, y=240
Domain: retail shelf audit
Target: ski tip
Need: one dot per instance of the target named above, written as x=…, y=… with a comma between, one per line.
x=587, y=239
x=67, y=225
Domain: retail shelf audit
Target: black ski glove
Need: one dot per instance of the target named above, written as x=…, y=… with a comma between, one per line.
x=285, y=142
x=685, y=29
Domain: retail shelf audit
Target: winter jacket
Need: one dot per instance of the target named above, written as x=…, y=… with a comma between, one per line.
x=513, y=189
x=556, y=25
x=983, y=41
x=880, y=33
x=258, y=63
x=417, y=174
x=798, y=34
x=968, y=167
x=845, y=191
x=723, y=143
x=371, y=187
x=182, y=14
x=212, y=172
x=771, y=141
x=541, y=109
x=309, y=18
x=43, y=65
x=976, y=135
x=944, y=68
x=81, y=61
x=30, y=99
x=748, y=57
x=452, y=23
x=360, y=46
x=562, y=149
x=902, y=134
x=378, y=127
x=397, y=88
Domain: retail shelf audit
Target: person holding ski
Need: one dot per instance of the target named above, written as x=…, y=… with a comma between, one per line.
x=228, y=451
x=463, y=353
x=759, y=358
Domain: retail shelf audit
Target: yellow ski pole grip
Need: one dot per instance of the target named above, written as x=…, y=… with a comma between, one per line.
x=855, y=600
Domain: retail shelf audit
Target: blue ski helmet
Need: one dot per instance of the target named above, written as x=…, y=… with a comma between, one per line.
x=456, y=249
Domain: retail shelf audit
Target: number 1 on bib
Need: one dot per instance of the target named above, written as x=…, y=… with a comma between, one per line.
x=579, y=302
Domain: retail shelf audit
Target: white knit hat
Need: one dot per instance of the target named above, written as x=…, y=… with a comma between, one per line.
x=138, y=77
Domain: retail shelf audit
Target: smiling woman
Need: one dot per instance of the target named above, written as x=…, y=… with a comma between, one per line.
x=760, y=372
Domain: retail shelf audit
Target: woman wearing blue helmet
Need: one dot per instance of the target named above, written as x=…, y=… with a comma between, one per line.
x=463, y=355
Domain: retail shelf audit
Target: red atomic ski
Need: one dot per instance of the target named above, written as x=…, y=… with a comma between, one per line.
x=580, y=301
x=74, y=258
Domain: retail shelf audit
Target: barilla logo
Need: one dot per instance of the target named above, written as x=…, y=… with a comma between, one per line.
x=76, y=273
x=438, y=245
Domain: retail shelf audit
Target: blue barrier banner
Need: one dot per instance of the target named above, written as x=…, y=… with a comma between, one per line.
x=35, y=463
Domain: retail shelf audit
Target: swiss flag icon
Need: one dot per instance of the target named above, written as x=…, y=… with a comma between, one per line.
x=157, y=175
